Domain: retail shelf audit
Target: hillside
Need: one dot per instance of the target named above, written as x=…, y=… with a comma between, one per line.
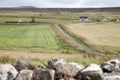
x=106, y=9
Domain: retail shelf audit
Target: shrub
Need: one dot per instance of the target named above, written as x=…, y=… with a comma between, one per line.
x=5, y=59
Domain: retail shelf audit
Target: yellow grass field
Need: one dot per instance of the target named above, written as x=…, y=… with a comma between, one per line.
x=42, y=58
x=98, y=34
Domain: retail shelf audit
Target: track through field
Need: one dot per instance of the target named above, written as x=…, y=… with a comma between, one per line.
x=73, y=40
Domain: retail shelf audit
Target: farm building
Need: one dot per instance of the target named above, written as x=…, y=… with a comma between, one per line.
x=72, y=19
x=84, y=18
x=117, y=20
x=104, y=20
x=20, y=21
x=61, y=13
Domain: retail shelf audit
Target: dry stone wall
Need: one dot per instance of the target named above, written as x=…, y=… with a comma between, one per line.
x=59, y=69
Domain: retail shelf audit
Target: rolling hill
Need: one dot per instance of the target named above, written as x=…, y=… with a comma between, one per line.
x=31, y=8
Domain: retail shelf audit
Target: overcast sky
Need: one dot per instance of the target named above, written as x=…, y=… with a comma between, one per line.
x=60, y=3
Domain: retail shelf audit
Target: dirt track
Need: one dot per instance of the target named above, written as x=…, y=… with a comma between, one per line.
x=74, y=41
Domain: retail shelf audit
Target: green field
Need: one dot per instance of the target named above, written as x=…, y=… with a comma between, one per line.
x=16, y=40
x=26, y=36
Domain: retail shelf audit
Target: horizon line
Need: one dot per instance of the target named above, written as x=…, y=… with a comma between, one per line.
x=58, y=7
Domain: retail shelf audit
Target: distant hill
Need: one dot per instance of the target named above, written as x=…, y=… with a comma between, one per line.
x=31, y=8
x=26, y=7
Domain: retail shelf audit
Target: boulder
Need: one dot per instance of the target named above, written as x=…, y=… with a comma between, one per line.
x=21, y=64
x=64, y=69
x=74, y=68
x=7, y=72
x=68, y=79
x=3, y=75
x=111, y=76
x=43, y=74
x=41, y=66
x=53, y=62
x=24, y=75
x=90, y=72
x=112, y=65
x=68, y=69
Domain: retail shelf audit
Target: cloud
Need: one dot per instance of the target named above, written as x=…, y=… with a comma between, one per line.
x=102, y=3
x=60, y=3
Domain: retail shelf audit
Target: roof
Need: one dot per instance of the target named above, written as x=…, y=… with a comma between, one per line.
x=83, y=17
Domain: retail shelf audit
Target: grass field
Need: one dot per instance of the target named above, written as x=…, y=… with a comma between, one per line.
x=53, y=17
x=27, y=36
x=106, y=35
x=38, y=40
x=42, y=58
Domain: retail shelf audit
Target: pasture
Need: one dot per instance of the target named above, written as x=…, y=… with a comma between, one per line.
x=53, y=17
x=16, y=40
x=26, y=36
x=105, y=35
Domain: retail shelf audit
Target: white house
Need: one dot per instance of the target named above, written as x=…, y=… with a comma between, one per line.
x=117, y=20
x=20, y=21
x=104, y=20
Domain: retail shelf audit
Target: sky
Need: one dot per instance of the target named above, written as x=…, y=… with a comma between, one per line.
x=60, y=3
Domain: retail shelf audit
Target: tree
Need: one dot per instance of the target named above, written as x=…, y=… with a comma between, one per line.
x=33, y=19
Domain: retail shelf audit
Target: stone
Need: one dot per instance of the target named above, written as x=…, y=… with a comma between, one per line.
x=21, y=64
x=24, y=75
x=41, y=66
x=7, y=72
x=43, y=74
x=68, y=69
x=112, y=76
x=90, y=72
x=3, y=75
x=68, y=79
x=63, y=69
x=112, y=65
x=53, y=62
x=74, y=68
